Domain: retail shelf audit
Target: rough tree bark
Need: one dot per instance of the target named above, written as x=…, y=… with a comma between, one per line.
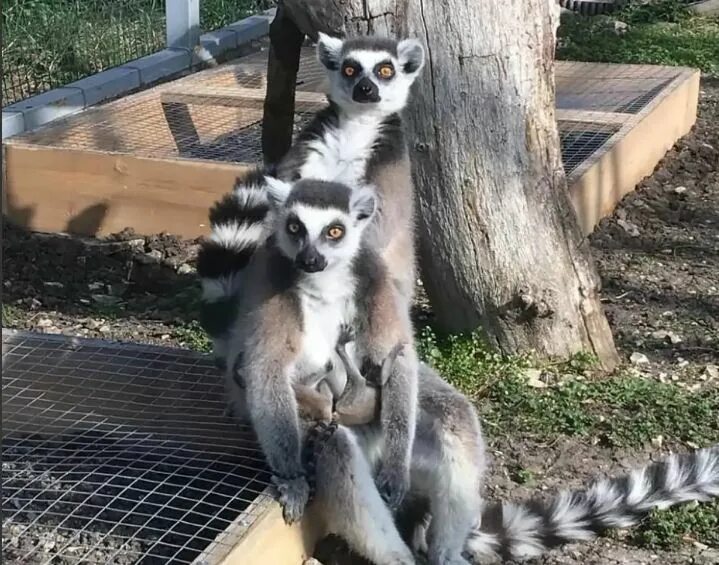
x=500, y=247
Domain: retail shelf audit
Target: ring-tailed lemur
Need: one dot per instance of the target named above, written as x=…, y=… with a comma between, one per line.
x=313, y=274
x=356, y=139
x=443, y=509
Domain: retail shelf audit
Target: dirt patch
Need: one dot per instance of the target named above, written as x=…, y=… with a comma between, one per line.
x=658, y=256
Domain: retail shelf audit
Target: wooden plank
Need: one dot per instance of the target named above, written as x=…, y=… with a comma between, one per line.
x=593, y=117
x=268, y=539
x=631, y=154
x=237, y=97
x=94, y=193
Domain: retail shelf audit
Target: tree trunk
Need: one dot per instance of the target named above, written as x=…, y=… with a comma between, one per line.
x=500, y=247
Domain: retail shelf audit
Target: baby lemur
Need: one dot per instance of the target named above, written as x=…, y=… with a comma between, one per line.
x=442, y=513
x=357, y=139
x=315, y=273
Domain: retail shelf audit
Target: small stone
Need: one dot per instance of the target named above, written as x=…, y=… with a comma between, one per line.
x=680, y=189
x=44, y=323
x=658, y=441
x=534, y=378
x=712, y=371
x=681, y=363
x=620, y=28
x=638, y=358
x=165, y=337
x=53, y=284
x=92, y=324
x=105, y=299
x=35, y=304
x=95, y=286
x=104, y=329
x=629, y=227
x=137, y=244
x=665, y=335
x=185, y=269
x=150, y=258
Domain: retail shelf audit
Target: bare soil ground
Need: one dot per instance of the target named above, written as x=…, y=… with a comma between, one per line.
x=659, y=260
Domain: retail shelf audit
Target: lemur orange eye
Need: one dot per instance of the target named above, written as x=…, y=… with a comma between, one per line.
x=335, y=232
x=348, y=71
x=386, y=71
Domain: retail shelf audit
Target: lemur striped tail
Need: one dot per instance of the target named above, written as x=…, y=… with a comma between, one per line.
x=523, y=530
x=239, y=227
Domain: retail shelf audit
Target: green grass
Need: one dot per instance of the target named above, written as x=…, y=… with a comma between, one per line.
x=10, y=315
x=665, y=33
x=620, y=410
x=48, y=43
x=193, y=336
x=669, y=529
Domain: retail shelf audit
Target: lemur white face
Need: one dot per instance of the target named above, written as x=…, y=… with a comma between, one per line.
x=319, y=224
x=370, y=72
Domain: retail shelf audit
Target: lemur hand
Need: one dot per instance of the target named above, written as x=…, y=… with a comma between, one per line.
x=347, y=334
x=392, y=484
x=293, y=497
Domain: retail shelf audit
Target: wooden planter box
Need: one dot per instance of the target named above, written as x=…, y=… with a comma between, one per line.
x=156, y=160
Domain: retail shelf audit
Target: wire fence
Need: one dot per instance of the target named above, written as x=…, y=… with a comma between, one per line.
x=49, y=43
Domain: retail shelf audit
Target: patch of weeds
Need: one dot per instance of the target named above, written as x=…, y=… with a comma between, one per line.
x=10, y=315
x=193, y=337
x=467, y=361
x=621, y=410
x=522, y=476
x=668, y=529
x=664, y=33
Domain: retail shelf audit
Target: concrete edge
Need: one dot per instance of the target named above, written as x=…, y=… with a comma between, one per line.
x=42, y=109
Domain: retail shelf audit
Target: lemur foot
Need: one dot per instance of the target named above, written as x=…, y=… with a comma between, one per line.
x=392, y=483
x=293, y=497
x=347, y=334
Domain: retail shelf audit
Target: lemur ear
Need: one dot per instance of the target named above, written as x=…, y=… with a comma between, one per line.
x=363, y=203
x=277, y=190
x=411, y=56
x=328, y=51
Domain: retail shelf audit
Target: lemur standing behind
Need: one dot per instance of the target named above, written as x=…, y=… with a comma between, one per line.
x=357, y=139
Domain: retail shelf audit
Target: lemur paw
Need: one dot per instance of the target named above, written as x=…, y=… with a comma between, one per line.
x=347, y=334
x=392, y=484
x=293, y=497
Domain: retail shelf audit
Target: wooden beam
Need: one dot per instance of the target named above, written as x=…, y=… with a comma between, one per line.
x=589, y=116
x=237, y=97
x=95, y=193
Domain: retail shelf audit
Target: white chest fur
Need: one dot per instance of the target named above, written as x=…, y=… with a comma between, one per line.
x=324, y=310
x=342, y=153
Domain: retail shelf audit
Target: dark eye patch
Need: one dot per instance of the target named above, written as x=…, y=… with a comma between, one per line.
x=356, y=69
x=384, y=70
x=300, y=232
x=328, y=231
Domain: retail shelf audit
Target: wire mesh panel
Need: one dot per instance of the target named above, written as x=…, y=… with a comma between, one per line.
x=116, y=453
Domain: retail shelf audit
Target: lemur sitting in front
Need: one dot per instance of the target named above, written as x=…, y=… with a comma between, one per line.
x=314, y=274
x=357, y=139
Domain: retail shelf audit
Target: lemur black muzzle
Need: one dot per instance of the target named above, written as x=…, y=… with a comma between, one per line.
x=365, y=91
x=310, y=260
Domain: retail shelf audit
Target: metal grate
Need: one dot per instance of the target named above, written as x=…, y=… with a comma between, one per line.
x=579, y=141
x=118, y=453
x=216, y=115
